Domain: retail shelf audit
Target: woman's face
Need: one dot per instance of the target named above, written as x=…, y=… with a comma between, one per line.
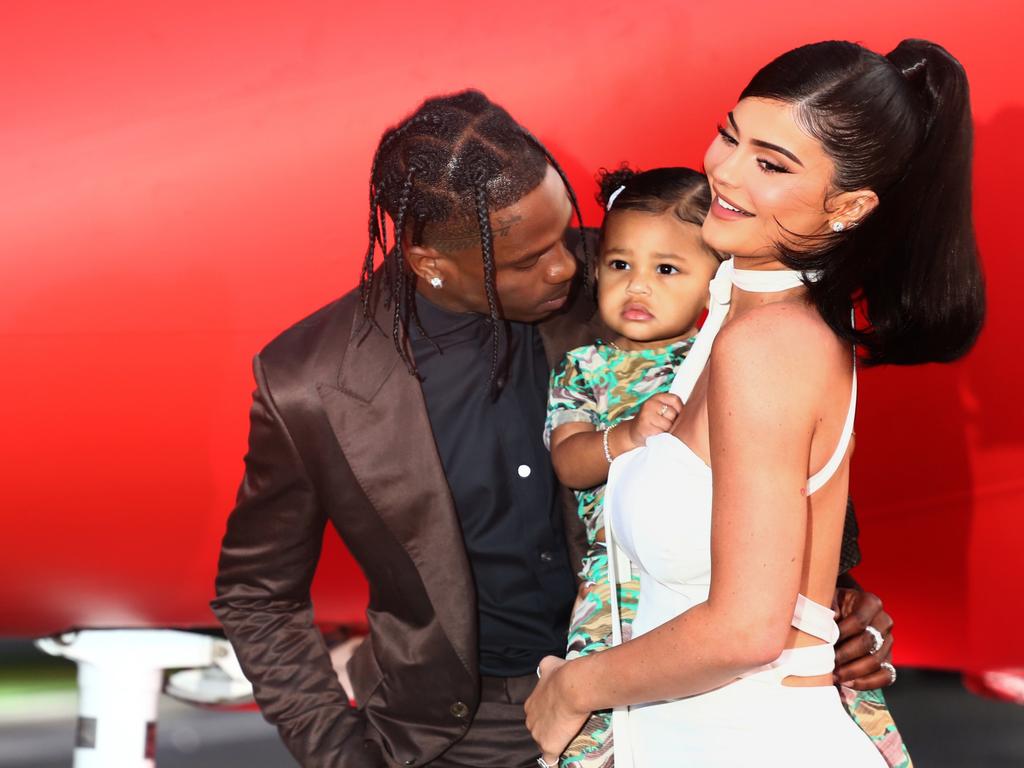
x=767, y=176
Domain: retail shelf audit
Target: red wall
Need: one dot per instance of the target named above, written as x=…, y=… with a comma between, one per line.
x=184, y=180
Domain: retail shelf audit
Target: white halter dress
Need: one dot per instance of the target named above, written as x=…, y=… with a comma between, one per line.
x=658, y=516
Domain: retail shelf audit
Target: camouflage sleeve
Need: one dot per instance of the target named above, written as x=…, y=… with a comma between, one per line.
x=570, y=397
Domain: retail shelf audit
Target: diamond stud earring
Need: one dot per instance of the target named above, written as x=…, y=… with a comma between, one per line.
x=838, y=226
x=436, y=282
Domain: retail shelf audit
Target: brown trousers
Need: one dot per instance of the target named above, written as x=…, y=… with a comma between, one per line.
x=497, y=737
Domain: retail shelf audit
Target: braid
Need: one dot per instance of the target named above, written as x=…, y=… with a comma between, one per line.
x=490, y=286
x=382, y=233
x=457, y=157
x=572, y=199
x=400, y=271
x=410, y=302
x=366, y=275
x=378, y=232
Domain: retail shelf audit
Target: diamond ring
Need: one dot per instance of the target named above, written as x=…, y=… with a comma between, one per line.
x=891, y=670
x=876, y=639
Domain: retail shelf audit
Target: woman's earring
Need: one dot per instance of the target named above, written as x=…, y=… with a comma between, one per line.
x=436, y=282
x=838, y=226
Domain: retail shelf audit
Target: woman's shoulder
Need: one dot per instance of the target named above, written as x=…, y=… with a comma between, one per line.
x=784, y=341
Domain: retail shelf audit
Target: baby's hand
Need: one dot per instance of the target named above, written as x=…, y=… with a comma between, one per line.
x=656, y=416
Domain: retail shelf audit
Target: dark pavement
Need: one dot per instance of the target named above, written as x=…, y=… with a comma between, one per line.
x=944, y=725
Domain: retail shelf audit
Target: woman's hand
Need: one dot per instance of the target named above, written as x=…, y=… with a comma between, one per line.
x=551, y=719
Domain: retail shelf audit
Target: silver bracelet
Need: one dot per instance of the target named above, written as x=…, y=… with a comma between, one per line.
x=604, y=440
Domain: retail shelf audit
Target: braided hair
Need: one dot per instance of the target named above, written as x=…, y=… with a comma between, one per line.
x=457, y=158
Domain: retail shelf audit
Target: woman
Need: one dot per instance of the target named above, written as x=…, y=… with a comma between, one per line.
x=841, y=175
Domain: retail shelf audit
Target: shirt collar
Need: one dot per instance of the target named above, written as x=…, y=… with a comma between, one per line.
x=443, y=324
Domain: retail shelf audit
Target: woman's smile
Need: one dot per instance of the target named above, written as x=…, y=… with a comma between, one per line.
x=728, y=210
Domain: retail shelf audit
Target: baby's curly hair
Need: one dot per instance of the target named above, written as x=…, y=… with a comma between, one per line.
x=684, y=191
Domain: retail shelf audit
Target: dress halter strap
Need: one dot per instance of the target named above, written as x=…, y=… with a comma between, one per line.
x=754, y=281
x=824, y=474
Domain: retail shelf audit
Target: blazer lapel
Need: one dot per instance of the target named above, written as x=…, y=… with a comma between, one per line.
x=379, y=418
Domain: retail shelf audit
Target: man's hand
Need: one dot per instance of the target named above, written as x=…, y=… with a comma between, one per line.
x=656, y=415
x=856, y=666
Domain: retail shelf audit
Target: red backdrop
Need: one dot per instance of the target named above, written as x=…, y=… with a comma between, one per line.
x=183, y=180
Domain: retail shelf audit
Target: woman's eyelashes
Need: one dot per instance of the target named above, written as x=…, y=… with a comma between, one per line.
x=766, y=166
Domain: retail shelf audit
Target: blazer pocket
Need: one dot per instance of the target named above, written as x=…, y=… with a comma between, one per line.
x=364, y=672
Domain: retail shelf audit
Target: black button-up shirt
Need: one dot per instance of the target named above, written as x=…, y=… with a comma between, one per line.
x=502, y=482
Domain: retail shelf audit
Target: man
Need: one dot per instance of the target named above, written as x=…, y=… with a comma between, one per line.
x=409, y=413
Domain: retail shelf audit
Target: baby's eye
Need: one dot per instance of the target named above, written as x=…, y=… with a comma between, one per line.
x=618, y=264
x=667, y=269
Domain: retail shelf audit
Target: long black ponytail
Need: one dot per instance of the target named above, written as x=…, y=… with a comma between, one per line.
x=899, y=125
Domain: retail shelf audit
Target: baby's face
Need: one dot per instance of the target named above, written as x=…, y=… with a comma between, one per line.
x=652, y=277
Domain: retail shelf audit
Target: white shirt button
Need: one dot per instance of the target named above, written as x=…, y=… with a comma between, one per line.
x=524, y=470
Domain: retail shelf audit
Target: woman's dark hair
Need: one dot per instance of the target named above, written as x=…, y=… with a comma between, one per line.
x=899, y=125
x=451, y=163
x=684, y=191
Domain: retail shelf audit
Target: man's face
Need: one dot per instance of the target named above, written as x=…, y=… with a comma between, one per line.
x=533, y=267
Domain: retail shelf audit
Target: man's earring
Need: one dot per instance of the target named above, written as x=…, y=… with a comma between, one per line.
x=436, y=282
x=838, y=226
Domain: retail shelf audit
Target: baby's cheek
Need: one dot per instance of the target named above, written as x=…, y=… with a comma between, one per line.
x=611, y=319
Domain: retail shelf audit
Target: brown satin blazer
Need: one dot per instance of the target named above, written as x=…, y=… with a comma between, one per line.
x=339, y=433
